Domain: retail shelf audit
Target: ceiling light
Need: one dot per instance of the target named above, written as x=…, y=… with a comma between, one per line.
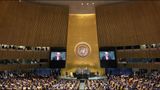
x=87, y=3
x=82, y=3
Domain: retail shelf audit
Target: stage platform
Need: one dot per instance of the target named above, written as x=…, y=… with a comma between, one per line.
x=89, y=78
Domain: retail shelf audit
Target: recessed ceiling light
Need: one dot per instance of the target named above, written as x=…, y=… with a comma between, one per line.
x=82, y=3
x=93, y=3
x=87, y=3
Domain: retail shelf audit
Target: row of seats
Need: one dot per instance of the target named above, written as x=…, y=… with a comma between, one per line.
x=149, y=82
x=25, y=48
x=139, y=60
x=32, y=82
x=49, y=83
x=19, y=61
x=144, y=46
x=24, y=81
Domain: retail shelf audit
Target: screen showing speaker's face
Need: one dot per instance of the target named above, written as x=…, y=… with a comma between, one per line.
x=107, y=55
x=58, y=56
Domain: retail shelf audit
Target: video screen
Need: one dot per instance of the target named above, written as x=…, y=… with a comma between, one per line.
x=107, y=55
x=58, y=56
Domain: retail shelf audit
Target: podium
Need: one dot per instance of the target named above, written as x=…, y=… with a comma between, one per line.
x=82, y=73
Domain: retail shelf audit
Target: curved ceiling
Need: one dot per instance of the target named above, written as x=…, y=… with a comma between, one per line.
x=80, y=6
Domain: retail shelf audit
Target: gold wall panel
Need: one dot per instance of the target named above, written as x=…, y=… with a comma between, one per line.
x=82, y=28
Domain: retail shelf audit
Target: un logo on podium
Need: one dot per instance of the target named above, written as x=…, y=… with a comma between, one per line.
x=82, y=49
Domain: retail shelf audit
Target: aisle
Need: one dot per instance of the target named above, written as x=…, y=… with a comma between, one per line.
x=81, y=86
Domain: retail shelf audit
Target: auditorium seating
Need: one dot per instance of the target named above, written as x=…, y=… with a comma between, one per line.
x=28, y=81
x=66, y=85
x=113, y=82
x=79, y=45
x=150, y=81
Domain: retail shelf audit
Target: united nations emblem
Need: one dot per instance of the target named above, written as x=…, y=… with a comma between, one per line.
x=82, y=49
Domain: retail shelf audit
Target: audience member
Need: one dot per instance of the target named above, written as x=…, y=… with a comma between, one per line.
x=28, y=81
x=149, y=82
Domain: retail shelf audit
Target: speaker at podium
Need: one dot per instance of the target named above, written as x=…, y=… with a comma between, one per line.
x=83, y=73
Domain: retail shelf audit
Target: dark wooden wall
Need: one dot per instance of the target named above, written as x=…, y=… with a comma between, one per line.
x=129, y=23
x=138, y=54
x=31, y=24
x=10, y=54
x=23, y=66
x=141, y=65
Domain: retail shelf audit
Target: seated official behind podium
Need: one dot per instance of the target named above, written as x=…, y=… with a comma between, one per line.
x=57, y=56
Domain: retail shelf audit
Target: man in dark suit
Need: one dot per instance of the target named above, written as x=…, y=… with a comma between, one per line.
x=57, y=56
x=106, y=56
